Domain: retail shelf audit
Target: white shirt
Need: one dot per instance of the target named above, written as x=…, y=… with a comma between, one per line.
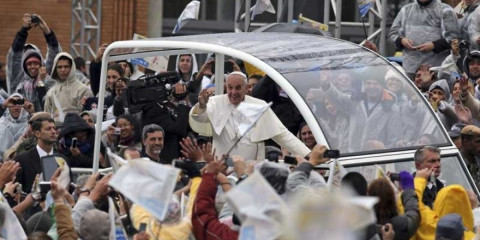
x=42, y=153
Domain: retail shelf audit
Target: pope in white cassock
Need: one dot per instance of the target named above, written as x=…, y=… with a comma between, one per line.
x=218, y=117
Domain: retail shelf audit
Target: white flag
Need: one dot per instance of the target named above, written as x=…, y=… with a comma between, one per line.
x=117, y=232
x=257, y=217
x=58, y=106
x=190, y=12
x=262, y=6
x=251, y=114
x=115, y=161
x=10, y=228
x=148, y=184
x=337, y=172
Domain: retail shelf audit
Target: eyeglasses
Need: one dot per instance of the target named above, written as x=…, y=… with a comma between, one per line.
x=124, y=125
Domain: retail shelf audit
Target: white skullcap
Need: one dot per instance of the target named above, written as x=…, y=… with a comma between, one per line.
x=238, y=74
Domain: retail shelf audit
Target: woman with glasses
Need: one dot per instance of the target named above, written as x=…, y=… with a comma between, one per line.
x=123, y=133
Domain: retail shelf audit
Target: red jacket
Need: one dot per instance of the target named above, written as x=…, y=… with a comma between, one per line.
x=205, y=221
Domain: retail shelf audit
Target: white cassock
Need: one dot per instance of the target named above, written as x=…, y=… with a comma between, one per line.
x=221, y=118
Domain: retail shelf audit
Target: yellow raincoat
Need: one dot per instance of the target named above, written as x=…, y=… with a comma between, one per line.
x=451, y=199
x=181, y=230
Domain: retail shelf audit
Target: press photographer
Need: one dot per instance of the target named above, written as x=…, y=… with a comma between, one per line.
x=161, y=99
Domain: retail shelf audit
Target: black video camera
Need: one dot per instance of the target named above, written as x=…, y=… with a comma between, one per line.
x=150, y=89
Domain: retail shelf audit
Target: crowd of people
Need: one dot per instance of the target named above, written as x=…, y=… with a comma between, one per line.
x=49, y=108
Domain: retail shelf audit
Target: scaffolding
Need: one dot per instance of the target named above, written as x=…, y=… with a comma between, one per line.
x=282, y=6
x=85, y=28
x=378, y=10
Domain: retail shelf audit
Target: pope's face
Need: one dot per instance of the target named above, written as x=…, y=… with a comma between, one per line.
x=236, y=89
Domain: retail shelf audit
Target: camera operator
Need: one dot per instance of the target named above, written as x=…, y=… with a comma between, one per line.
x=172, y=116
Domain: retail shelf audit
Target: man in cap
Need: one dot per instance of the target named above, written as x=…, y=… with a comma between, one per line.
x=450, y=227
x=471, y=65
x=374, y=115
x=470, y=151
x=27, y=70
x=455, y=133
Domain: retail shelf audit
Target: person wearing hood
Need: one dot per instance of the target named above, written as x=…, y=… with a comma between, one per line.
x=474, y=27
x=89, y=118
x=439, y=96
x=186, y=66
x=74, y=127
x=15, y=121
x=423, y=30
x=465, y=22
x=451, y=199
x=67, y=92
x=17, y=67
x=394, y=84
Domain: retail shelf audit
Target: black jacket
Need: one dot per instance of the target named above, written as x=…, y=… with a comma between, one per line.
x=429, y=195
x=30, y=166
x=174, y=120
x=406, y=225
x=95, y=71
x=283, y=107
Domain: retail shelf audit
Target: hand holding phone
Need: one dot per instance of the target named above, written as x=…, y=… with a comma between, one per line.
x=290, y=160
x=74, y=142
x=331, y=154
x=143, y=227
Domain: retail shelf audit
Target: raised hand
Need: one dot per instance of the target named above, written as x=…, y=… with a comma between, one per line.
x=464, y=83
x=207, y=68
x=215, y=166
x=28, y=106
x=100, y=52
x=425, y=73
x=208, y=154
x=424, y=173
x=316, y=156
x=43, y=25
x=203, y=98
x=27, y=21
x=8, y=171
x=57, y=192
x=42, y=74
x=191, y=150
x=371, y=46
x=464, y=114
x=455, y=47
